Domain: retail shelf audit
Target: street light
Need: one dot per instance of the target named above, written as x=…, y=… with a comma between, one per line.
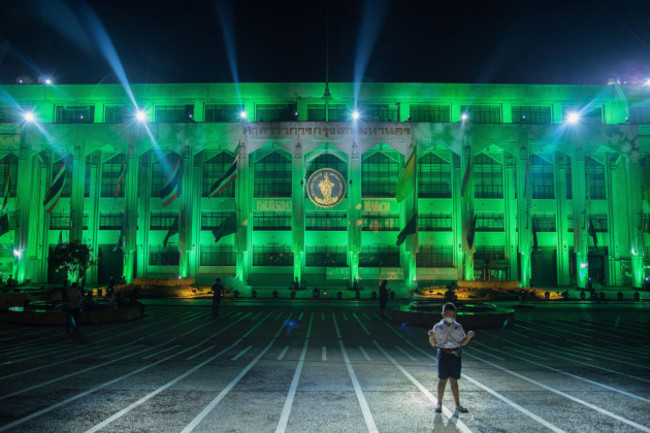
x=355, y=115
x=573, y=118
x=141, y=116
x=243, y=115
x=29, y=117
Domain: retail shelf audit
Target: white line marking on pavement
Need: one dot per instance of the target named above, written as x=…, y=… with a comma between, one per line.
x=162, y=351
x=200, y=353
x=195, y=422
x=486, y=388
x=322, y=316
x=240, y=354
x=284, y=417
x=367, y=317
x=345, y=316
x=323, y=355
x=360, y=323
x=174, y=381
x=364, y=353
x=300, y=317
x=284, y=351
x=405, y=353
x=474, y=349
x=365, y=410
x=461, y=426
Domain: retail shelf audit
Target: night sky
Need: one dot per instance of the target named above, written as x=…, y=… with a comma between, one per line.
x=577, y=42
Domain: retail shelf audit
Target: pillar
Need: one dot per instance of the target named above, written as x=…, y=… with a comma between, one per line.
x=354, y=211
x=77, y=194
x=467, y=213
x=143, y=179
x=561, y=207
x=243, y=199
x=298, y=212
x=633, y=195
x=130, y=218
x=457, y=221
x=408, y=208
x=510, y=217
x=580, y=217
x=524, y=203
x=186, y=247
x=93, y=214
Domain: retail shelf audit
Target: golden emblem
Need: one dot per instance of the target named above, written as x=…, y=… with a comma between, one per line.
x=326, y=187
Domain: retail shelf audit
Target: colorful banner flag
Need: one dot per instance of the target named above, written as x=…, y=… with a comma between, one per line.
x=120, y=243
x=410, y=229
x=406, y=182
x=172, y=187
x=173, y=230
x=226, y=179
x=120, y=178
x=227, y=227
x=468, y=180
x=4, y=223
x=56, y=188
x=5, y=189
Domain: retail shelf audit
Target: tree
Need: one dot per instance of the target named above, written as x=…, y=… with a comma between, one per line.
x=74, y=258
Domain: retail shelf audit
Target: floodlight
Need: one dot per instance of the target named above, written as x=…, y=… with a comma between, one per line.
x=355, y=115
x=573, y=117
x=141, y=116
x=29, y=117
x=48, y=81
x=243, y=115
x=464, y=116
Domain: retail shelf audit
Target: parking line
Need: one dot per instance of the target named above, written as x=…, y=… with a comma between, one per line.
x=345, y=316
x=360, y=323
x=365, y=410
x=405, y=353
x=200, y=353
x=323, y=355
x=284, y=351
x=364, y=353
x=286, y=410
x=240, y=354
x=162, y=351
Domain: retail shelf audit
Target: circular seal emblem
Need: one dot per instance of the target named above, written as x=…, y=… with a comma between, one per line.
x=326, y=187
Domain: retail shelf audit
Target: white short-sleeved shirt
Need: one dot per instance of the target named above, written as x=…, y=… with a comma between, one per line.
x=449, y=336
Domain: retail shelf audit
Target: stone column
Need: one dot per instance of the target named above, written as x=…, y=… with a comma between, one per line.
x=93, y=215
x=561, y=206
x=298, y=212
x=468, y=213
x=354, y=211
x=580, y=218
x=614, y=277
x=77, y=195
x=143, y=214
x=633, y=195
x=408, y=208
x=524, y=203
x=457, y=221
x=130, y=218
x=185, y=244
x=243, y=200
x=510, y=217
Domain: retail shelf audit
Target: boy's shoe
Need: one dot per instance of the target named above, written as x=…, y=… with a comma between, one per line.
x=461, y=409
x=438, y=408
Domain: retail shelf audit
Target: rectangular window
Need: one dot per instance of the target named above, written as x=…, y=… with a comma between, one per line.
x=380, y=223
x=434, y=177
x=379, y=256
x=272, y=255
x=211, y=219
x=335, y=113
x=272, y=176
x=380, y=113
x=489, y=252
x=111, y=221
x=174, y=113
x=217, y=255
x=111, y=170
x=75, y=114
x=162, y=220
x=276, y=112
x=489, y=222
x=435, y=256
x=9, y=114
x=118, y=114
x=63, y=221
x=271, y=221
x=488, y=177
x=331, y=256
x=222, y=113
x=532, y=114
x=544, y=222
x=379, y=174
x=482, y=113
x=595, y=174
x=542, y=178
x=160, y=256
x=639, y=114
x=326, y=220
x=430, y=113
x=434, y=222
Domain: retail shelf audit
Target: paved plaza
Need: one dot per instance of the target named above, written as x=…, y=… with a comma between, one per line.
x=343, y=368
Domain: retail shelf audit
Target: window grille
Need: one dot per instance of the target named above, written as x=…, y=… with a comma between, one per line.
x=482, y=113
x=272, y=255
x=217, y=255
x=434, y=177
x=542, y=178
x=532, y=114
x=273, y=176
x=271, y=221
x=434, y=222
x=161, y=256
x=331, y=256
x=174, y=113
x=379, y=176
x=488, y=177
x=213, y=169
x=276, y=112
x=325, y=221
x=430, y=113
x=75, y=114
x=379, y=256
x=434, y=256
x=222, y=113
x=110, y=173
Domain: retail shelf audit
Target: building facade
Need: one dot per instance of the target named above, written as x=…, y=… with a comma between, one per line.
x=510, y=182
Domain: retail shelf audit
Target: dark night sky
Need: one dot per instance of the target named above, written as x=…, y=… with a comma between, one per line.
x=578, y=42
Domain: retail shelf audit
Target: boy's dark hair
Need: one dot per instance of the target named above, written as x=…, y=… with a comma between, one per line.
x=448, y=307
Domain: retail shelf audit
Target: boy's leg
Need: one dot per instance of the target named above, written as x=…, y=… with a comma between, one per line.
x=453, y=383
x=441, y=389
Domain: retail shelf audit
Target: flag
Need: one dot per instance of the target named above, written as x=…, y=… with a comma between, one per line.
x=410, y=229
x=468, y=180
x=527, y=180
x=120, y=178
x=471, y=231
x=406, y=182
x=60, y=243
x=6, y=189
x=227, y=227
x=4, y=223
x=534, y=234
x=592, y=232
x=120, y=243
x=172, y=187
x=173, y=230
x=224, y=181
x=56, y=188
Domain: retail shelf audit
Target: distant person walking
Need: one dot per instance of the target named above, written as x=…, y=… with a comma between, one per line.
x=73, y=307
x=383, y=296
x=449, y=336
x=217, y=294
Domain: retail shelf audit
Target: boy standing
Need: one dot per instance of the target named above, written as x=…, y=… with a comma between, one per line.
x=449, y=336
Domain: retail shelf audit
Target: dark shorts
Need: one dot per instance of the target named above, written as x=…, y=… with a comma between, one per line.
x=448, y=365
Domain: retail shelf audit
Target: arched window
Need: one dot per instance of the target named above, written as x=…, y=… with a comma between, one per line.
x=434, y=177
x=379, y=176
x=488, y=177
x=213, y=170
x=273, y=176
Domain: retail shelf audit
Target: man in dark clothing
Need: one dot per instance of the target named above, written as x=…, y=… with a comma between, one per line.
x=217, y=293
x=383, y=296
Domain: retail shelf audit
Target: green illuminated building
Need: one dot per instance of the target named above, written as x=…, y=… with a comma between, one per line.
x=548, y=200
